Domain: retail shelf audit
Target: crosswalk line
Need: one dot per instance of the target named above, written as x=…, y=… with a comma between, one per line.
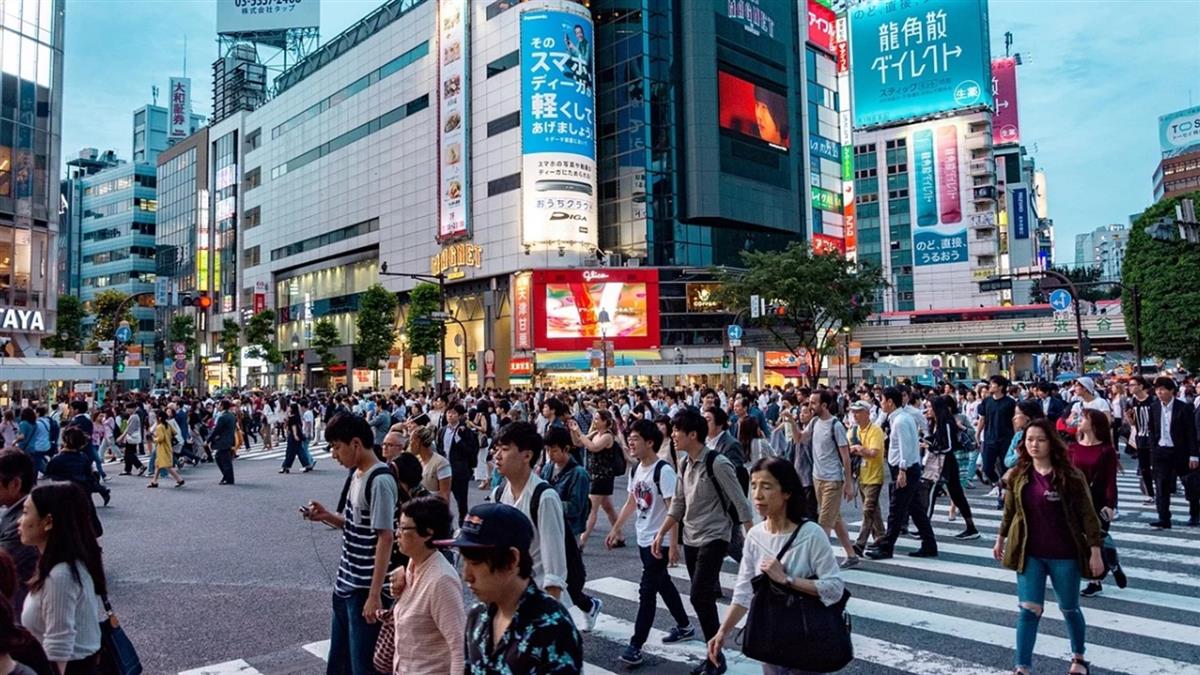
x=619, y=630
x=590, y=669
x=988, y=530
x=866, y=649
x=992, y=520
x=235, y=667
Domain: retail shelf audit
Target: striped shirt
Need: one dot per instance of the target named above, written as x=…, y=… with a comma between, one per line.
x=430, y=619
x=364, y=519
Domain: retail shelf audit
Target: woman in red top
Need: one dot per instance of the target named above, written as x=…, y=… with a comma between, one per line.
x=1093, y=454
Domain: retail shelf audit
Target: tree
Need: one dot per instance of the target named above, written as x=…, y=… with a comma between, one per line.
x=424, y=374
x=1165, y=274
x=260, y=338
x=376, y=323
x=104, y=308
x=1082, y=277
x=424, y=337
x=325, y=338
x=69, y=335
x=183, y=329
x=814, y=297
x=230, y=341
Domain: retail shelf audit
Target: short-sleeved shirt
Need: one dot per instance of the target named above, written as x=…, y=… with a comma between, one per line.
x=437, y=468
x=871, y=473
x=827, y=436
x=649, y=500
x=364, y=519
x=541, y=638
x=997, y=416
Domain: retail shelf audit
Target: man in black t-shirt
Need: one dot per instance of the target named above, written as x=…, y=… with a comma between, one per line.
x=996, y=426
x=1137, y=416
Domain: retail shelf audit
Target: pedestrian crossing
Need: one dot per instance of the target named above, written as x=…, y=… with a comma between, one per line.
x=258, y=452
x=950, y=615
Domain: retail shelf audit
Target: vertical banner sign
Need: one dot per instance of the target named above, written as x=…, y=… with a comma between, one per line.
x=454, y=119
x=949, y=186
x=845, y=125
x=945, y=241
x=924, y=178
x=260, y=297
x=558, y=128
x=181, y=108
x=1006, y=125
x=523, y=311
x=1020, y=213
x=822, y=27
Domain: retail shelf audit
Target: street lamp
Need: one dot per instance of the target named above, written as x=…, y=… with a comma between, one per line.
x=846, y=335
x=295, y=365
x=603, y=318
x=440, y=280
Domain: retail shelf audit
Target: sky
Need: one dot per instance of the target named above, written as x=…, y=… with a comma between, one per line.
x=1096, y=76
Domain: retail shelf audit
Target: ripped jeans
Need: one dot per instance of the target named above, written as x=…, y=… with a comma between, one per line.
x=1031, y=590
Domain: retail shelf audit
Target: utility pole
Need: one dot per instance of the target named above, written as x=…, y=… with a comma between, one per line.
x=440, y=280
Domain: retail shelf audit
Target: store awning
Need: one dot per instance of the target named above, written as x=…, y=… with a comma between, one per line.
x=47, y=369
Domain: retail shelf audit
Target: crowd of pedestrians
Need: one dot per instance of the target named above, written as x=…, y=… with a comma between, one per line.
x=756, y=476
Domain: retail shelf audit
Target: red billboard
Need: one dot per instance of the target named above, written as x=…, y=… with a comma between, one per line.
x=822, y=26
x=572, y=308
x=1006, y=126
x=824, y=243
x=753, y=110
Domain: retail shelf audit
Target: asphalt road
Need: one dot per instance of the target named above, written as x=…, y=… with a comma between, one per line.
x=218, y=579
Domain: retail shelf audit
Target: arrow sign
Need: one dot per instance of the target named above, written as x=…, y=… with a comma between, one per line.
x=124, y=333
x=734, y=332
x=1060, y=299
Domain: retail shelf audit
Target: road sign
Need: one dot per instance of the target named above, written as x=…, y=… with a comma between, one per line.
x=168, y=362
x=180, y=376
x=803, y=369
x=734, y=331
x=1060, y=299
x=124, y=332
x=84, y=387
x=735, y=342
x=937, y=373
x=755, y=306
x=181, y=363
x=992, y=285
x=180, y=348
x=936, y=362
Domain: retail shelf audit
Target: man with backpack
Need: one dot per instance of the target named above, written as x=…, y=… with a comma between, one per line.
x=833, y=477
x=705, y=494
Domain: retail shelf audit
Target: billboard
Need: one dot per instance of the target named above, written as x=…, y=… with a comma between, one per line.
x=824, y=243
x=940, y=235
x=753, y=110
x=180, y=113
x=558, y=128
x=522, y=311
x=570, y=305
x=454, y=119
x=822, y=26
x=1020, y=197
x=1179, y=132
x=252, y=16
x=914, y=59
x=1006, y=125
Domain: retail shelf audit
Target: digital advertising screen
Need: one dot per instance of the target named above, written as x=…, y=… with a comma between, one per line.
x=753, y=110
x=575, y=308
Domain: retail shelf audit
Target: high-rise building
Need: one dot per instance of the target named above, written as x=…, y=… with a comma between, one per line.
x=1178, y=172
x=1103, y=248
x=151, y=130
x=30, y=114
x=70, y=228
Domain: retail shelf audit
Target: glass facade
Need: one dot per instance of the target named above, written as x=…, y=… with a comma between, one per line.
x=899, y=223
x=330, y=293
x=224, y=208
x=825, y=172
x=178, y=210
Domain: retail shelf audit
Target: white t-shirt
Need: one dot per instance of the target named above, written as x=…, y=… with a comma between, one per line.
x=648, y=497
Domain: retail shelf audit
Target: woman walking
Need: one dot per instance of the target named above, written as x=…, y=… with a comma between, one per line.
x=601, y=447
x=131, y=440
x=435, y=469
x=293, y=431
x=1049, y=529
x=1096, y=458
x=63, y=608
x=943, y=440
x=164, y=444
x=807, y=566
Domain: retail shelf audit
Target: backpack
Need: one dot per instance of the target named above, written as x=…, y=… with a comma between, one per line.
x=55, y=432
x=966, y=436
x=726, y=505
x=619, y=465
x=570, y=545
x=658, y=469
x=855, y=460
x=398, y=558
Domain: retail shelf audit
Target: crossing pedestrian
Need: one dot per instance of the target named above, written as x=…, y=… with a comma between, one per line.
x=131, y=440
x=866, y=441
x=904, y=462
x=1173, y=436
x=1094, y=456
x=17, y=479
x=602, y=454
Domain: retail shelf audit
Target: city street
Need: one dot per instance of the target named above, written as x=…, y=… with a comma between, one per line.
x=213, y=579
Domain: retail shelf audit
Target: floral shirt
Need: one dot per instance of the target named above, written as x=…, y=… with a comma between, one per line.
x=541, y=639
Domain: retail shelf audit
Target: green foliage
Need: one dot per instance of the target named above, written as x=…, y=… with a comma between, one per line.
x=424, y=374
x=230, y=341
x=325, y=338
x=183, y=329
x=1165, y=273
x=424, y=339
x=819, y=294
x=260, y=338
x=104, y=307
x=1039, y=294
x=69, y=337
x=376, y=323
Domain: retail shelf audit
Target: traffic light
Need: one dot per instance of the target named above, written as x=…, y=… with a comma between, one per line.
x=160, y=350
x=186, y=300
x=724, y=359
x=203, y=301
x=471, y=364
x=119, y=352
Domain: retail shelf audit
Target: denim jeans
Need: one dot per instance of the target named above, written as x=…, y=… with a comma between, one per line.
x=351, y=638
x=704, y=567
x=1031, y=588
x=305, y=456
x=655, y=582
x=94, y=451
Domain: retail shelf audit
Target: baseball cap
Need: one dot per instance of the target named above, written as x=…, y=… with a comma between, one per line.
x=860, y=405
x=492, y=525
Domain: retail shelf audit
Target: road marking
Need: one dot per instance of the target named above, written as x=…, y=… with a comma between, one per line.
x=235, y=667
x=1121, y=539
x=321, y=651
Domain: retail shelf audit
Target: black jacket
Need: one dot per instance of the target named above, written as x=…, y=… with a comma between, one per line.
x=1183, y=428
x=224, y=431
x=463, y=452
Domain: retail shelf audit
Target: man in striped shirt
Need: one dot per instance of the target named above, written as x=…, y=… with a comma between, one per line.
x=367, y=522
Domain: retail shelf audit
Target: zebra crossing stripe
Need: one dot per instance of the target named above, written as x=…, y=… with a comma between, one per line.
x=992, y=520
x=235, y=667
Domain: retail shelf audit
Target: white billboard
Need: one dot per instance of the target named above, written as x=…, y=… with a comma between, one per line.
x=180, y=109
x=250, y=16
x=454, y=105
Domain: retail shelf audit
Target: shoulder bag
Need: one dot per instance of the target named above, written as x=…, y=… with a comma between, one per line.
x=117, y=654
x=818, y=636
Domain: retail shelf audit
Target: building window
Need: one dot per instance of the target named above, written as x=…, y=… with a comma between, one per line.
x=504, y=63
x=499, y=7
x=253, y=139
x=253, y=178
x=252, y=218
x=501, y=124
x=505, y=184
x=326, y=239
x=252, y=256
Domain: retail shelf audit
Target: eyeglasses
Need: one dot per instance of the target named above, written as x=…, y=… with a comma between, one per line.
x=407, y=528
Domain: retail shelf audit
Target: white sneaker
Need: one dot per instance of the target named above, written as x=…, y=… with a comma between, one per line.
x=590, y=619
x=1116, y=514
x=995, y=492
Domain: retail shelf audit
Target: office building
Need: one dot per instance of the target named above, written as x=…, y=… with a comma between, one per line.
x=88, y=162
x=1103, y=249
x=30, y=114
x=1178, y=172
x=151, y=132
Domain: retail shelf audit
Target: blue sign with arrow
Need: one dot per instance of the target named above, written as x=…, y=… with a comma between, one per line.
x=1060, y=299
x=734, y=331
x=124, y=333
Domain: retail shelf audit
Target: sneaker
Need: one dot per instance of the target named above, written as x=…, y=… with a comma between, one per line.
x=995, y=492
x=849, y=563
x=970, y=533
x=590, y=621
x=923, y=553
x=632, y=656
x=858, y=549
x=679, y=634
x=1119, y=576
x=1149, y=501
x=1093, y=589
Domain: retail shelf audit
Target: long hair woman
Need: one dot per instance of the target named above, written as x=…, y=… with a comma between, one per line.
x=943, y=439
x=294, y=434
x=62, y=609
x=601, y=446
x=808, y=566
x=1049, y=529
x=1096, y=458
x=750, y=435
x=164, y=457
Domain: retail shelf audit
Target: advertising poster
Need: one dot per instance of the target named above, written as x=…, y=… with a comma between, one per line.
x=824, y=243
x=180, y=113
x=943, y=241
x=925, y=195
x=949, y=186
x=918, y=58
x=250, y=16
x=1179, y=132
x=522, y=311
x=753, y=110
x=558, y=128
x=1006, y=125
x=573, y=308
x=454, y=103
x=822, y=26
x=1020, y=197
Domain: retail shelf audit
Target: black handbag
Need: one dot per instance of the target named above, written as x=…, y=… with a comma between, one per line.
x=785, y=627
x=117, y=654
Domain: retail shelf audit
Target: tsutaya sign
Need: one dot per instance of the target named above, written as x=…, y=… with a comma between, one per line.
x=22, y=320
x=454, y=257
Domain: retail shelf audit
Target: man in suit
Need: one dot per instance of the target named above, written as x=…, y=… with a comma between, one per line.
x=17, y=478
x=1052, y=405
x=460, y=445
x=1173, y=439
x=222, y=439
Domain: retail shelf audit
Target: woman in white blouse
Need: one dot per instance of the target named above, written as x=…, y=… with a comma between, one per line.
x=62, y=609
x=776, y=494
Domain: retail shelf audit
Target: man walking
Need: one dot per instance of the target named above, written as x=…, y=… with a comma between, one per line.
x=867, y=441
x=222, y=439
x=904, y=462
x=1173, y=436
x=996, y=428
x=832, y=478
x=461, y=446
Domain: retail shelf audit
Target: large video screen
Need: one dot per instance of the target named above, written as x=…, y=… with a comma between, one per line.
x=753, y=110
x=577, y=307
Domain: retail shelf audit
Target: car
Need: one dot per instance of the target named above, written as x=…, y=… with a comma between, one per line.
x=159, y=393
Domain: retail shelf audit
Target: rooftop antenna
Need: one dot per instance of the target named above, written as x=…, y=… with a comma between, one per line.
x=154, y=94
x=185, y=54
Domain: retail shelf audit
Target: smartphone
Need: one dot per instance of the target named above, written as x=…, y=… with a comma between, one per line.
x=306, y=511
